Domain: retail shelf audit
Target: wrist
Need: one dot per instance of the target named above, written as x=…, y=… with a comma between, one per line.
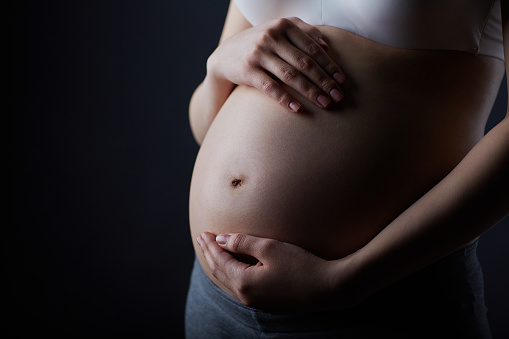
x=216, y=81
x=213, y=70
x=345, y=280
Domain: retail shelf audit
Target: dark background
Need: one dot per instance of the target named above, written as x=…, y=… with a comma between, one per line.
x=101, y=155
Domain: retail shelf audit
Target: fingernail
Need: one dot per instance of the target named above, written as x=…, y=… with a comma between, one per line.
x=323, y=100
x=222, y=239
x=198, y=239
x=323, y=44
x=336, y=94
x=294, y=106
x=340, y=78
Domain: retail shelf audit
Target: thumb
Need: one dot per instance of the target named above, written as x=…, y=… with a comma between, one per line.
x=243, y=244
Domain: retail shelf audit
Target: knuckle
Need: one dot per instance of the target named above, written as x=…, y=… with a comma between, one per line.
x=313, y=50
x=265, y=38
x=331, y=67
x=327, y=83
x=243, y=288
x=305, y=63
x=309, y=90
x=269, y=246
x=282, y=23
x=245, y=292
x=267, y=86
x=249, y=63
x=294, y=21
x=314, y=30
x=237, y=241
x=255, y=56
x=288, y=74
x=248, y=74
x=261, y=44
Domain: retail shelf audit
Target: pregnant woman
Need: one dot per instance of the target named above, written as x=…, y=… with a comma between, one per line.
x=344, y=169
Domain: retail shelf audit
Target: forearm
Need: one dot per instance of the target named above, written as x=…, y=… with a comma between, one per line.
x=206, y=102
x=466, y=203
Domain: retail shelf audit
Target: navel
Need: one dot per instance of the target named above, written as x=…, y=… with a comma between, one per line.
x=236, y=182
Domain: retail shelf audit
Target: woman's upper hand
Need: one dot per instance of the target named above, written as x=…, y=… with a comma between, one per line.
x=288, y=50
x=285, y=278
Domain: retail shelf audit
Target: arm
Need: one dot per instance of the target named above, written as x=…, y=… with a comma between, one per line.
x=465, y=204
x=285, y=51
x=211, y=94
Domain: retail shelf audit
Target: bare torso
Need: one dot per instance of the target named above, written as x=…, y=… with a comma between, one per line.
x=330, y=180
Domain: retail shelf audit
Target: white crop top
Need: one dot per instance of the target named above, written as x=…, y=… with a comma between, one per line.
x=473, y=26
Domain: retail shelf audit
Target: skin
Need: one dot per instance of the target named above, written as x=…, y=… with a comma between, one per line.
x=444, y=219
x=289, y=49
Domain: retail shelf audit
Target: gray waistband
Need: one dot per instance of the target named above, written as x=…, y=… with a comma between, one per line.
x=424, y=299
x=267, y=322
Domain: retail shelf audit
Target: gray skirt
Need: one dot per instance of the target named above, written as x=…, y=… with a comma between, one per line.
x=444, y=300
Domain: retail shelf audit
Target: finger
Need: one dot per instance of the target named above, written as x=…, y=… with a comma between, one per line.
x=223, y=265
x=319, y=91
x=312, y=31
x=309, y=47
x=269, y=86
x=259, y=248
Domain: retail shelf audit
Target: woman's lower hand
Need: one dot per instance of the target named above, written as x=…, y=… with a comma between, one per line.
x=285, y=51
x=282, y=278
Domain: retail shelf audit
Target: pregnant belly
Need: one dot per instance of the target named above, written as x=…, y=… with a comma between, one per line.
x=330, y=180
x=327, y=181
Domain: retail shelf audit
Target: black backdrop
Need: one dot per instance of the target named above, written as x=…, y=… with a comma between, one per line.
x=101, y=155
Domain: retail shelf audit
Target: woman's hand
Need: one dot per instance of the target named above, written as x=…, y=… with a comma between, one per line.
x=286, y=278
x=288, y=50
